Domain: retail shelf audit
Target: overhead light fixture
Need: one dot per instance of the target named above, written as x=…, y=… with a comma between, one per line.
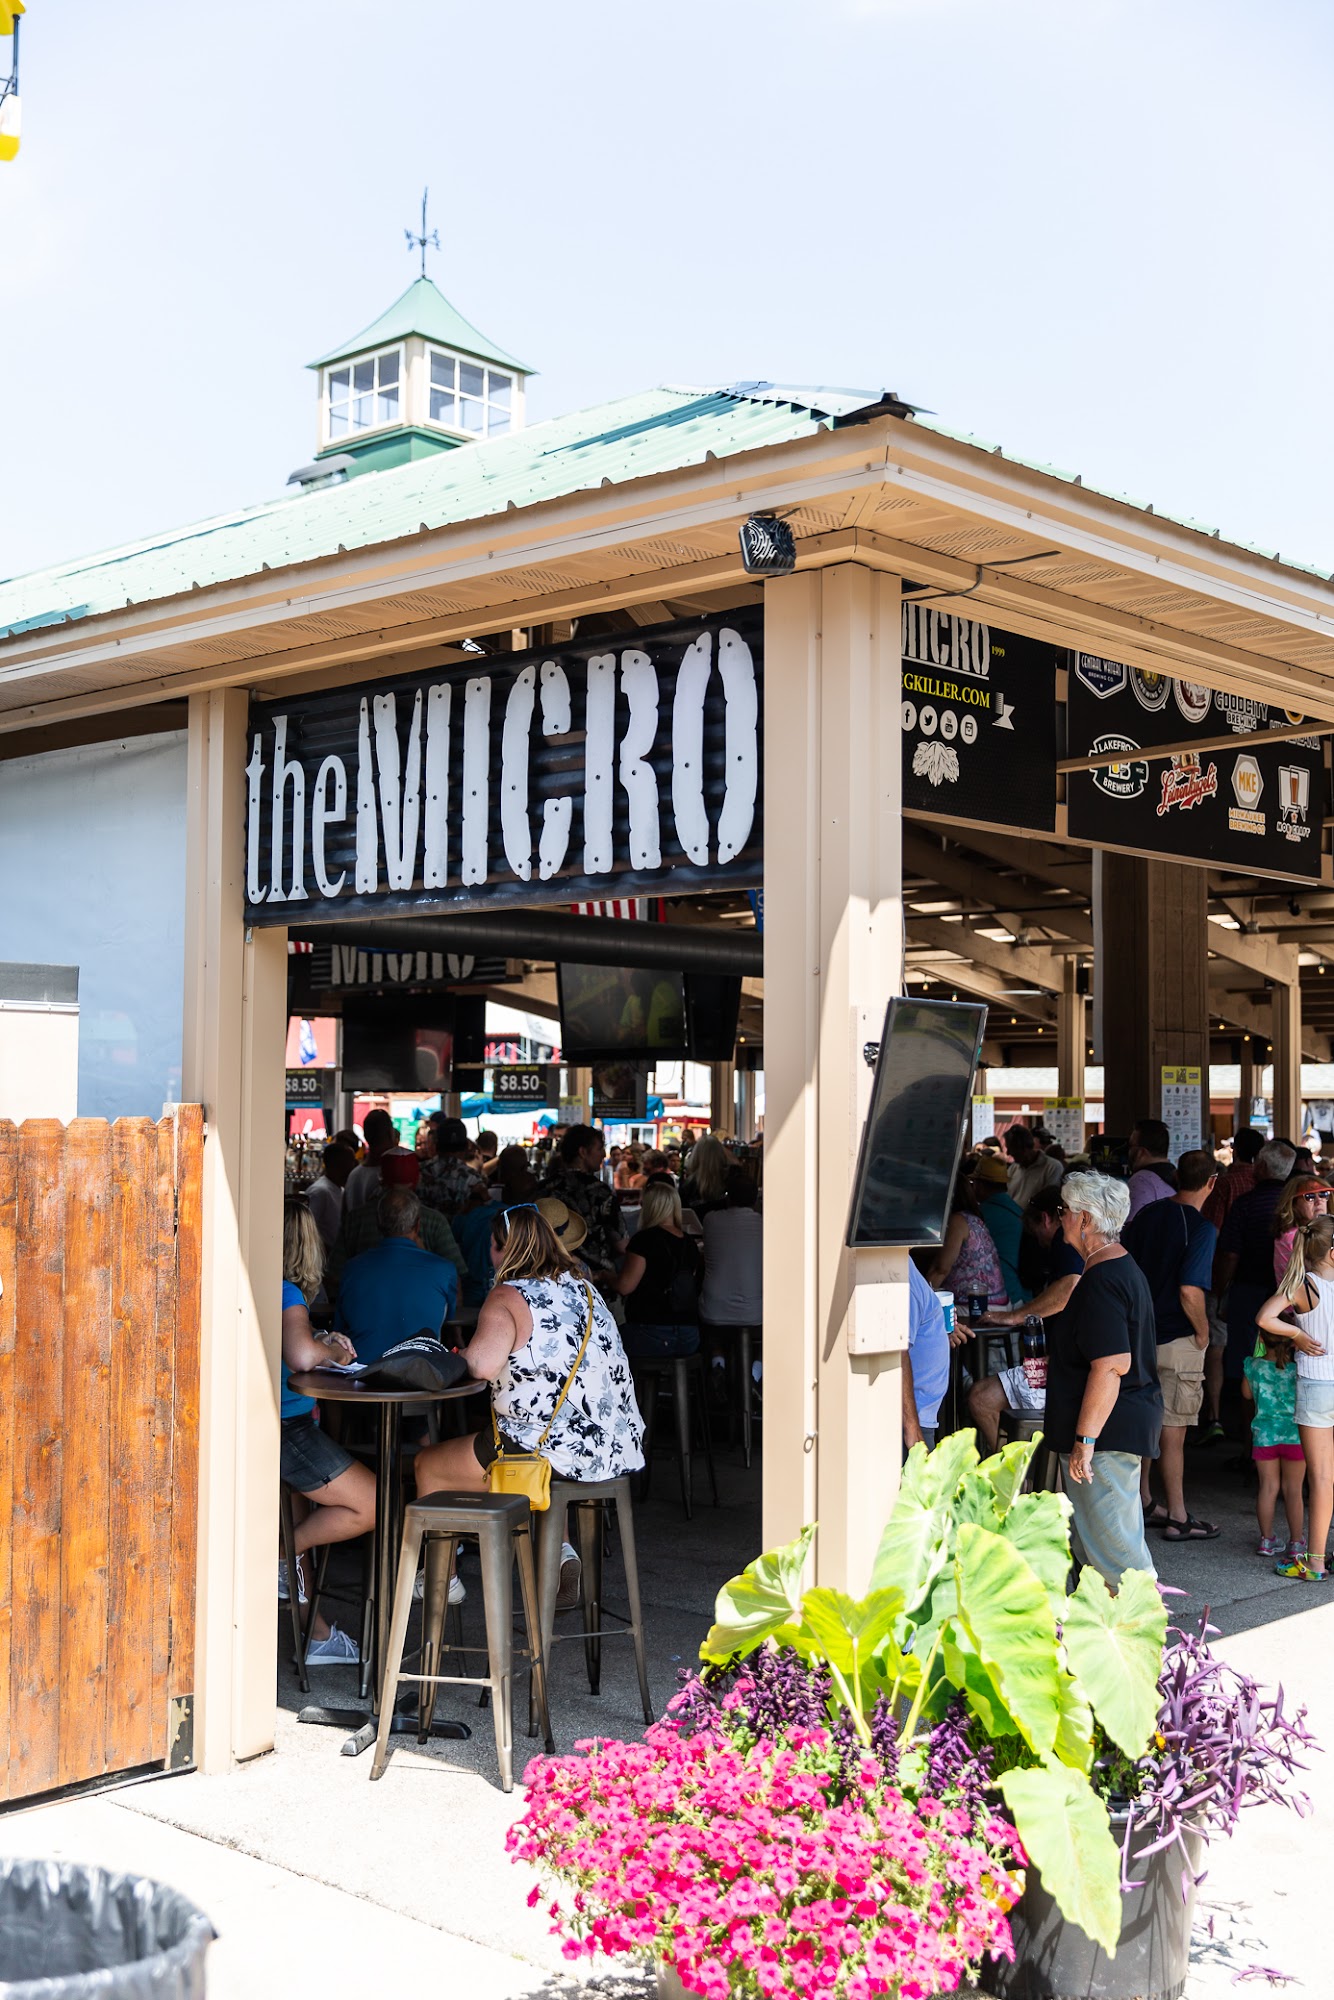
x=768, y=546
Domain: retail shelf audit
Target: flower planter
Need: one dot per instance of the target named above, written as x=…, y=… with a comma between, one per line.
x=1055, y=1960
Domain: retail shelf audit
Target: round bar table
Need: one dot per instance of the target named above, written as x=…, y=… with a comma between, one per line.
x=326, y=1386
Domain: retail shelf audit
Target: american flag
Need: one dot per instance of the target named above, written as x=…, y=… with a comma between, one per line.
x=635, y=909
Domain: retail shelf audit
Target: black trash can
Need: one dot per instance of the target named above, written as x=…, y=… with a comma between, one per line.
x=69, y=1932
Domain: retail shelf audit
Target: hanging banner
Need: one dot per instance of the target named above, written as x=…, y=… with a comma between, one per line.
x=979, y=721
x=1182, y=1109
x=1064, y=1119
x=521, y=1086
x=1256, y=808
x=627, y=765
x=984, y=1119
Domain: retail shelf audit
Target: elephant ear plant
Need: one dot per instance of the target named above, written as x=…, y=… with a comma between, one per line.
x=967, y=1616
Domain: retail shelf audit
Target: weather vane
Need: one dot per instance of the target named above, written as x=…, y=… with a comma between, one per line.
x=419, y=239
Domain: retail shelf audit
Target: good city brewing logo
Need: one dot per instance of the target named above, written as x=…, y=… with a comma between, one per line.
x=426, y=801
x=957, y=652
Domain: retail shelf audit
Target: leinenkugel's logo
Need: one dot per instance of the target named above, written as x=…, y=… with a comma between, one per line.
x=1294, y=799
x=1185, y=784
x=1126, y=779
x=1247, y=784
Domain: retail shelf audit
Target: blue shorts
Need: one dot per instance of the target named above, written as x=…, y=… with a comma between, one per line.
x=308, y=1457
x=1315, y=1403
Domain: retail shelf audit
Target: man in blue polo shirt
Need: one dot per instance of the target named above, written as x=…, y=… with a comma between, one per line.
x=396, y=1289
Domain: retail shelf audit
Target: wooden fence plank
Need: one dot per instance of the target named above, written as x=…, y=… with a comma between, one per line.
x=38, y=1462
x=87, y=1467
x=130, y=1694
x=163, y=1225
x=9, y=1157
x=189, y=1120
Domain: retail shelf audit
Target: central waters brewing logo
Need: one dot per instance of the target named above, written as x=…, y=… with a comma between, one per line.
x=1185, y=784
x=1101, y=677
x=1122, y=780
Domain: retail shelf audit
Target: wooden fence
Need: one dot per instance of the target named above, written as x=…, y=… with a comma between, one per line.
x=99, y=1445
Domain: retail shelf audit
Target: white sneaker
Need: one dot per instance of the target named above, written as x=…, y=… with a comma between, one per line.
x=284, y=1594
x=457, y=1593
x=339, y=1648
x=571, y=1575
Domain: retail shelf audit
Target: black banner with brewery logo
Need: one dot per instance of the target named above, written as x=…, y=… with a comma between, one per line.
x=979, y=721
x=1253, y=808
x=627, y=765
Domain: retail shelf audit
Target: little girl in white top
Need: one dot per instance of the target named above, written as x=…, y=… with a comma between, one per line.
x=1308, y=1291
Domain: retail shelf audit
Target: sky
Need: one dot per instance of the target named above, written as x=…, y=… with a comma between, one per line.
x=1096, y=233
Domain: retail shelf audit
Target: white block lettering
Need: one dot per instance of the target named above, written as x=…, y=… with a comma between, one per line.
x=285, y=773
x=368, y=835
x=514, y=741
x=254, y=771
x=557, y=813
x=639, y=685
x=688, y=811
x=476, y=781
x=400, y=788
x=323, y=814
x=741, y=742
x=599, y=744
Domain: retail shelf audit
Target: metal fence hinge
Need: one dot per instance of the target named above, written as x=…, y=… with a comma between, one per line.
x=180, y=1732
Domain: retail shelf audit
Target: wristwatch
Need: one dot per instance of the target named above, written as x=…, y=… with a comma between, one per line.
x=1086, y=1440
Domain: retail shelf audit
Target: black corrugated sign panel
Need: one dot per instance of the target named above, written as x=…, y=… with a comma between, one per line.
x=628, y=765
x=319, y=980
x=979, y=721
x=1251, y=808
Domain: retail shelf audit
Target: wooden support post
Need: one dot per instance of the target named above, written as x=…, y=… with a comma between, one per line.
x=746, y=1098
x=722, y=1099
x=835, y=1321
x=1153, y=938
x=235, y=1032
x=1071, y=1034
x=1246, y=1083
x=1285, y=1004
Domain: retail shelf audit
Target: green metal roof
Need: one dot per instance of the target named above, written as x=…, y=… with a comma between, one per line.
x=425, y=310
x=660, y=430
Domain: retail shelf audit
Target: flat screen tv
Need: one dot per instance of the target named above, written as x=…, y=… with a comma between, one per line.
x=611, y=1010
x=713, y=1002
x=914, y=1131
x=391, y=1046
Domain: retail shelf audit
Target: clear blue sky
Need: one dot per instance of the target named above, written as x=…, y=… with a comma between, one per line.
x=1094, y=231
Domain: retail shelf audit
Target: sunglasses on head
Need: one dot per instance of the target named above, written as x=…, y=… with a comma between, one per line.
x=513, y=1209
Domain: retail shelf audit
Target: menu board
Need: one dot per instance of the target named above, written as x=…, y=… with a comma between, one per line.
x=979, y=721
x=1064, y=1119
x=1182, y=1109
x=1253, y=808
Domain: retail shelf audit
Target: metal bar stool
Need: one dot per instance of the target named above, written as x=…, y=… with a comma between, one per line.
x=287, y=1526
x=687, y=1375
x=589, y=1502
x=499, y=1523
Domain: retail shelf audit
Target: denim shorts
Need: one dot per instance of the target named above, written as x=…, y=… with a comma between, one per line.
x=308, y=1458
x=659, y=1343
x=1315, y=1403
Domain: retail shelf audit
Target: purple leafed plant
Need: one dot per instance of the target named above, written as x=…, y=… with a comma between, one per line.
x=1221, y=1744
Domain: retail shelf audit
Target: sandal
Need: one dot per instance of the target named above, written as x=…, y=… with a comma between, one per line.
x=1156, y=1515
x=1190, y=1530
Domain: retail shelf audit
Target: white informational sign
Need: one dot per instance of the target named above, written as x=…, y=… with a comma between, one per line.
x=1064, y=1119
x=1182, y=1109
x=571, y=1111
x=984, y=1119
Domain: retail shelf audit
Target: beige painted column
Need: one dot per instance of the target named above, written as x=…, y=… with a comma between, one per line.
x=722, y=1099
x=1071, y=1034
x=1285, y=1006
x=235, y=1027
x=835, y=1320
x=746, y=1099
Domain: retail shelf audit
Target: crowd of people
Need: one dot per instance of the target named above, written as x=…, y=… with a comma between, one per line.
x=554, y=1275
x=1180, y=1301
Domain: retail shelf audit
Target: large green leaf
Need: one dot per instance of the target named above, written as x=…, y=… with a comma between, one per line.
x=1008, y=1616
x=1115, y=1648
x=1038, y=1525
x=846, y=1630
x=760, y=1603
x=1007, y=1471
x=971, y=1677
x=975, y=1501
x=1063, y=1825
x=1074, y=1731
x=916, y=1543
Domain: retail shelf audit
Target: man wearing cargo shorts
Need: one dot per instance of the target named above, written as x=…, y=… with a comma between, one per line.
x=1174, y=1247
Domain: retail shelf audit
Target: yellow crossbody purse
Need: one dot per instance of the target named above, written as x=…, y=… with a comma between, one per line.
x=527, y=1472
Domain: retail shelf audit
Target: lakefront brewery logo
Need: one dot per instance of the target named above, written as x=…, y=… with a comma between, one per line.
x=1185, y=784
x=1294, y=799
x=1247, y=785
x=1123, y=780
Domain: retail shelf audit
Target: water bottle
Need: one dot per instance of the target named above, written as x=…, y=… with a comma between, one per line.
x=1033, y=1353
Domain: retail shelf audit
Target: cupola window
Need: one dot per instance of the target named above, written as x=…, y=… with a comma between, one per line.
x=465, y=396
x=362, y=395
